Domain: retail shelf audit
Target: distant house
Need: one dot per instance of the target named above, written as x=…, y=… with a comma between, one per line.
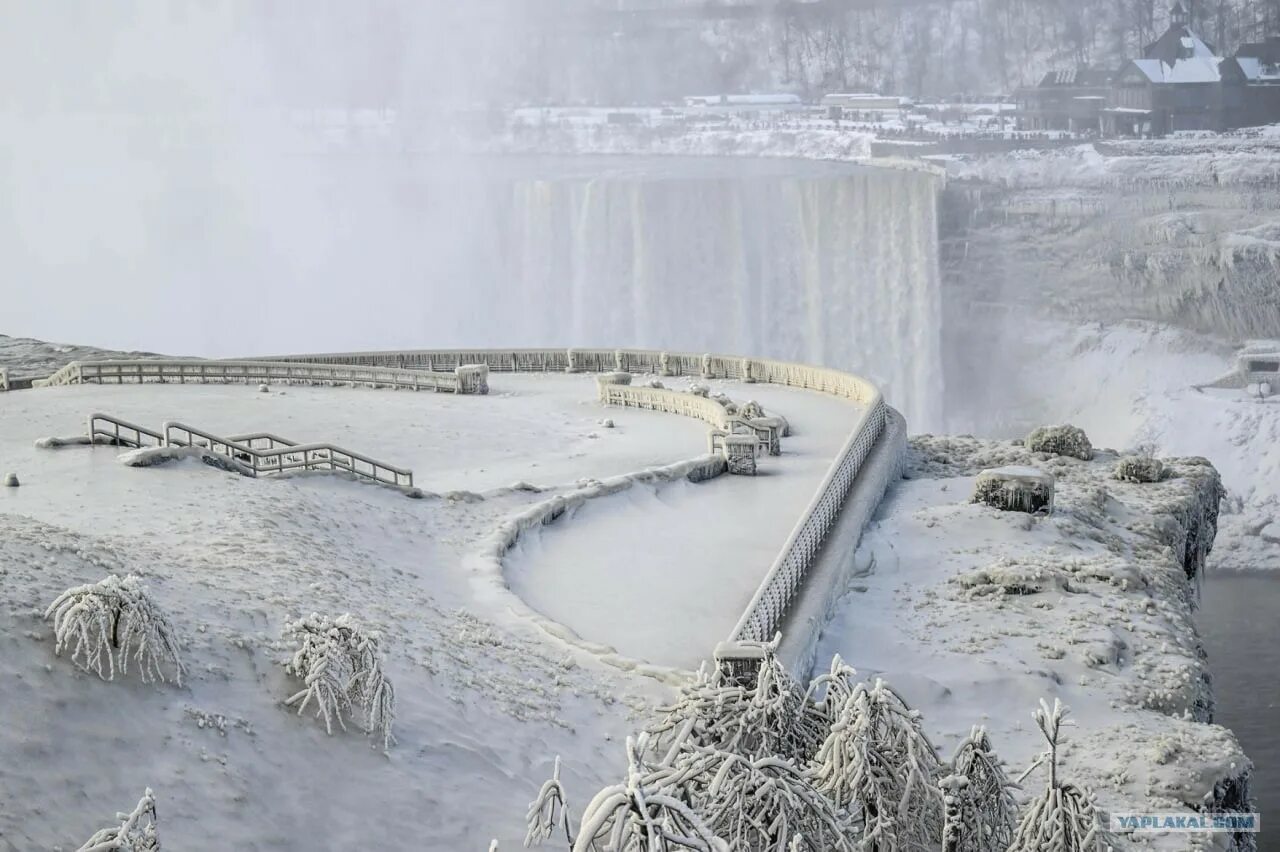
x=1065, y=100
x=1251, y=84
x=1176, y=85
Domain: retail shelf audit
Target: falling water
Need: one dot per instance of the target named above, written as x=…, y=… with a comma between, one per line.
x=825, y=264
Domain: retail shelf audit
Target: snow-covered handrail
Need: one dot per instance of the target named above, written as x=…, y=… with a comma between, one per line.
x=289, y=456
x=461, y=379
x=99, y=422
x=672, y=402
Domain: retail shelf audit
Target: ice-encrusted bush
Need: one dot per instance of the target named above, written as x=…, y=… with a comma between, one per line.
x=1139, y=469
x=340, y=665
x=111, y=620
x=981, y=814
x=135, y=833
x=1062, y=817
x=878, y=764
x=1062, y=441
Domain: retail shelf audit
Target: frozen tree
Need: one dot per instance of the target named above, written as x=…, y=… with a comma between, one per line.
x=980, y=812
x=111, y=620
x=878, y=763
x=771, y=804
x=135, y=833
x=644, y=814
x=1061, y=818
x=548, y=813
x=340, y=665
x=768, y=717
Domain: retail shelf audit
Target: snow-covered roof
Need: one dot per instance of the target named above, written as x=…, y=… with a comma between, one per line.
x=1257, y=71
x=1198, y=69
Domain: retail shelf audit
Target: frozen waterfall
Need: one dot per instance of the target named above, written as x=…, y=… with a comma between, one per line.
x=834, y=265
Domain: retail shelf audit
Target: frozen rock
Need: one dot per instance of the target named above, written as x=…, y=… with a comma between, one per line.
x=11, y=480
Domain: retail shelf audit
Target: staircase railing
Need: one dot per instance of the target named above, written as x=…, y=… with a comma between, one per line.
x=121, y=432
x=284, y=455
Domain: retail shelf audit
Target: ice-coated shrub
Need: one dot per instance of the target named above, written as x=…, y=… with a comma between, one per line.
x=878, y=763
x=1062, y=441
x=340, y=665
x=1139, y=469
x=108, y=621
x=981, y=814
x=135, y=833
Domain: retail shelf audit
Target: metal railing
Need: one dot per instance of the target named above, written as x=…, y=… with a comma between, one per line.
x=121, y=433
x=283, y=455
x=249, y=372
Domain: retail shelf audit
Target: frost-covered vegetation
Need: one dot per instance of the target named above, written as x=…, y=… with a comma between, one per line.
x=137, y=831
x=1139, y=468
x=340, y=664
x=108, y=621
x=1061, y=440
x=1063, y=817
x=751, y=761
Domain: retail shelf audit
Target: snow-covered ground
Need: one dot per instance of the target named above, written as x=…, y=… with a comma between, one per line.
x=975, y=615
x=485, y=699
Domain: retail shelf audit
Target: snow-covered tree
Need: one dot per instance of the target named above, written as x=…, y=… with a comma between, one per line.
x=770, y=717
x=111, y=620
x=548, y=813
x=980, y=812
x=340, y=665
x=878, y=763
x=1061, y=818
x=135, y=833
x=644, y=813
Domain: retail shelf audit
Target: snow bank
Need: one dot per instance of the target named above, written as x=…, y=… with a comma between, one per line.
x=154, y=456
x=975, y=615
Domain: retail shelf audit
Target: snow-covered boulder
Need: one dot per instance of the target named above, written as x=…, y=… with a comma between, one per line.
x=1061, y=440
x=11, y=480
x=1139, y=469
x=1015, y=488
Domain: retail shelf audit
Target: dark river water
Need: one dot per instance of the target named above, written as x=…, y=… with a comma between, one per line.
x=1239, y=620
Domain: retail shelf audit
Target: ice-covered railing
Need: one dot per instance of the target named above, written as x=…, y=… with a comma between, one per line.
x=283, y=455
x=122, y=433
x=765, y=614
x=462, y=378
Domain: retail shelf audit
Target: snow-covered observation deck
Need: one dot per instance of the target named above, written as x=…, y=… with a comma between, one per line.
x=838, y=443
x=232, y=559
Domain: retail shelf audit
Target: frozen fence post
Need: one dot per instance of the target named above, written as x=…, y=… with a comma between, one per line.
x=740, y=661
x=604, y=380
x=1015, y=488
x=740, y=452
x=473, y=378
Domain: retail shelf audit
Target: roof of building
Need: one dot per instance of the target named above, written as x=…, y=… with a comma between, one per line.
x=1201, y=69
x=1179, y=43
x=1076, y=77
x=1257, y=71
